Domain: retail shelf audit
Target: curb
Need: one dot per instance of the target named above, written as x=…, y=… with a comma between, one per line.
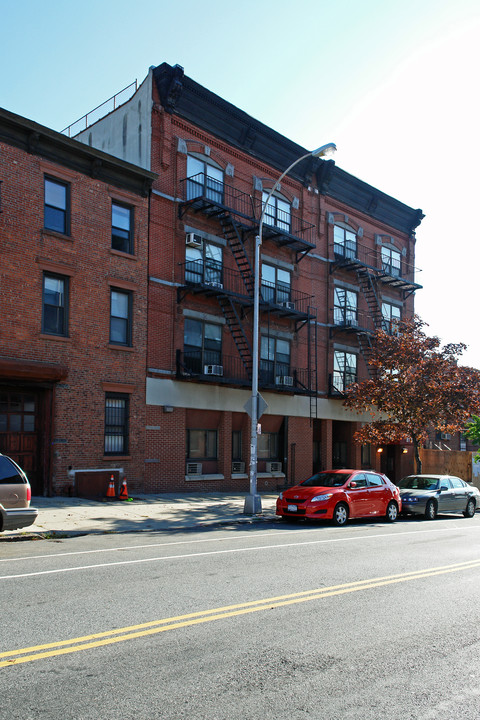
x=66, y=534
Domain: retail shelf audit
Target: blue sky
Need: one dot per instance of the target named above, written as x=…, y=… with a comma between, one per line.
x=394, y=83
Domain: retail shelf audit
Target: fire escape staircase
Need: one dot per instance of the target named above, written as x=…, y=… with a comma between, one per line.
x=369, y=287
x=235, y=242
x=235, y=326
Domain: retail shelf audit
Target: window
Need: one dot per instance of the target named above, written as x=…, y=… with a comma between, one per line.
x=120, y=317
x=116, y=424
x=344, y=370
x=366, y=455
x=57, y=206
x=345, y=307
x=204, y=265
x=391, y=316
x=277, y=212
x=275, y=284
x=391, y=261
x=122, y=228
x=374, y=480
x=204, y=180
x=274, y=359
x=267, y=446
x=55, y=305
x=340, y=455
x=17, y=412
x=236, y=444
x=202, y=344
x=202, y=444
x=9, y=474
x=344, y=242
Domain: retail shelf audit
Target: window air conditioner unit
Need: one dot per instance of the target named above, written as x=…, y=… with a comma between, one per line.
x=289, y=305
x=286, y=380
x=215, y=284
x=193, y=240
x=274, y=467
x=213, y=369
x=238, y=467
x=194, y=468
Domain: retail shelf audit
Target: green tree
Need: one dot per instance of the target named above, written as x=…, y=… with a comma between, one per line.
x=416, y=385
x=472, y=431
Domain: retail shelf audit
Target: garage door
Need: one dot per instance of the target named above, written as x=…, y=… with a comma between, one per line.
x=19, y=432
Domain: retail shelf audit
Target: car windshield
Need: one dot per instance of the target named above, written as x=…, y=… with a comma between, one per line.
x=326, y=479
x=415, y=482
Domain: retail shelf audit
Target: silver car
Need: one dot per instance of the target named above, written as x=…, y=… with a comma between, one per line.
x=432, y=494
x=15, y=496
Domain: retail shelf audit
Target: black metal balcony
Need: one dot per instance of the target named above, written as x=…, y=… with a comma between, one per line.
x=211, y=279
x=213, y=198
x=398, y=274
x=213, y=367
x=353, y=321
x=337, y=382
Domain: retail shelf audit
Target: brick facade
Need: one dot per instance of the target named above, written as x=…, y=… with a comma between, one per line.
x=54, y=427
x=188, y=369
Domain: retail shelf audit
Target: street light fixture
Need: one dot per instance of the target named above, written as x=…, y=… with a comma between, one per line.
x=253, y=502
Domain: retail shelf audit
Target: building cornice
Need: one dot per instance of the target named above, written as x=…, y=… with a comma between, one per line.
x=76, y=156
x=185, y=98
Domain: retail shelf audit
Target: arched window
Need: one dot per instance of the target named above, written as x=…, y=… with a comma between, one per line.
x=277, y=211
x=204, y=179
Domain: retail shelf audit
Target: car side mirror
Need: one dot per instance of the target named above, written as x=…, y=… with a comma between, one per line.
x=443, y=488
x=353, y=484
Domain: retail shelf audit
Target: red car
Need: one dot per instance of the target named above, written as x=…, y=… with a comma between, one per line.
x=341, y=494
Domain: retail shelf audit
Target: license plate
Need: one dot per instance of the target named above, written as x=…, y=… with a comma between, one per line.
x=292, y=508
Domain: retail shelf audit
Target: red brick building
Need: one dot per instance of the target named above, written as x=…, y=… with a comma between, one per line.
x=337, y=261
x=73, y=307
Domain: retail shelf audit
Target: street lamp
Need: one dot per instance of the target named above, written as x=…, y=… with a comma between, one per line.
x=253, y=502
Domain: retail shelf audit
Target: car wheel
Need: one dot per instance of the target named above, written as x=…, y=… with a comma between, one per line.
x=340, y=514
x=469, y=511
x=392, y=511
x=431, y=510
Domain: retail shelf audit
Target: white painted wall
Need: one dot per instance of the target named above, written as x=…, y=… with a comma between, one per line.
x=215, y=397
x=126, y=132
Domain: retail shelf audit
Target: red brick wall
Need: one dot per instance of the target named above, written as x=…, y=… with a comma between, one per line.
x=86, y=258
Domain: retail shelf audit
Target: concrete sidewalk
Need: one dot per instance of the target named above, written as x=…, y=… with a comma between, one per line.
x=65, y=516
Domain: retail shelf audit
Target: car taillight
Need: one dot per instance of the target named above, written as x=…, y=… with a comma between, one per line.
x=29, y=493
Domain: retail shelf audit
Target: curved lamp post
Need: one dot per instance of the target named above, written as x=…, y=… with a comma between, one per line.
x=253, y=502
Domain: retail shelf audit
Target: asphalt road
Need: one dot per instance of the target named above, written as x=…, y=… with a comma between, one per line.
x=270, y=621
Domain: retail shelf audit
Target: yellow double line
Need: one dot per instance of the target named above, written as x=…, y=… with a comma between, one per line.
x=109, y=637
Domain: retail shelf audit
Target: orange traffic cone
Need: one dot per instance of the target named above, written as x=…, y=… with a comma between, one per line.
x=111, y=488
x=123, y=491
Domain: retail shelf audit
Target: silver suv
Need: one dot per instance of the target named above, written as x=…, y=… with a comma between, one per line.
x=15, y=496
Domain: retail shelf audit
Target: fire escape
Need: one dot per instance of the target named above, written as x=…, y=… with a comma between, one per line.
x=238, y=215
x=373, y=273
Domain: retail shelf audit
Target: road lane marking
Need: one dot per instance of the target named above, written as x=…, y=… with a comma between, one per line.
x=109, y=637
x=397, y=532
x=186, y=556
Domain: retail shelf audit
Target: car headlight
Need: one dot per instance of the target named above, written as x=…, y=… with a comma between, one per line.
x=280, y=497
x=321, y=498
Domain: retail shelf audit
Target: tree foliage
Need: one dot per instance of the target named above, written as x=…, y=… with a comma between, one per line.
x=416, y=385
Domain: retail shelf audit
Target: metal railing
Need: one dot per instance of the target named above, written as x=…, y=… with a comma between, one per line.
x=202, y=190
x=211, y=277
x=361, y=255
x=352, y=321
x=212, y=366
x=87, y=120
